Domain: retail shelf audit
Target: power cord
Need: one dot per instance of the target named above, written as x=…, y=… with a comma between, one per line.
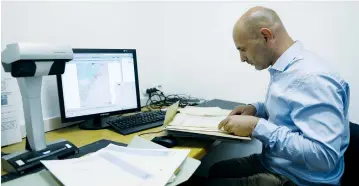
x=157, y=99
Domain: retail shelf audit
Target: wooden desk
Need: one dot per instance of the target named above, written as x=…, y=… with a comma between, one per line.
x=81, y=137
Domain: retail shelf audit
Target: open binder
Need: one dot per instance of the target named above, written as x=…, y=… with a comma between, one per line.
x=198, y=122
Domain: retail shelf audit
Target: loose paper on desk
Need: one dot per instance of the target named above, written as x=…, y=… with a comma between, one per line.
x=116, y=165
x=45, y=178
x=160, y=162
x=186, y=170
x=10, y=128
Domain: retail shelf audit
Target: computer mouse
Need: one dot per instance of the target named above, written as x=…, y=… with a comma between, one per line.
x=166, y=141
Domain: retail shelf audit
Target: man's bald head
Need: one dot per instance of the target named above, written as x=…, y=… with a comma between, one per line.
x=257, y=18
x=260, y=37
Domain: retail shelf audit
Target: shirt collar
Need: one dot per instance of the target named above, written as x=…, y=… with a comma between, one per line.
x=287, y=57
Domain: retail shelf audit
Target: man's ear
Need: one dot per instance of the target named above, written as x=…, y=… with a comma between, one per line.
x=267, y=34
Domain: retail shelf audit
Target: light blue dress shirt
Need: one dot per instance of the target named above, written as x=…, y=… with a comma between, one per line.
x=304, y=125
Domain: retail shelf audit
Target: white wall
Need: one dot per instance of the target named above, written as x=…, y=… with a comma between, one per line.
x=187, y=47
x=199, y=46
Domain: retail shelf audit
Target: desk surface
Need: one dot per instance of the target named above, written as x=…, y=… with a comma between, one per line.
x=81, y=138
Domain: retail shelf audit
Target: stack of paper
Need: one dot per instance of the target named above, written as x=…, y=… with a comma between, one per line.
x=199, y=120
x=204, y=111
x=116, y=165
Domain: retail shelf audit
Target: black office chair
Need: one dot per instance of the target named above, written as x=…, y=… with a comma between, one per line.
x=351, y=158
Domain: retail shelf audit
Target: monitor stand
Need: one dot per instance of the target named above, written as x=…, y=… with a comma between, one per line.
x=96, y=123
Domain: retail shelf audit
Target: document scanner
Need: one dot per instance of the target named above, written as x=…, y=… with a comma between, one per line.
x=28, y=62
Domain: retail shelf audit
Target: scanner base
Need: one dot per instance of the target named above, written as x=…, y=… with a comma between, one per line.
x=20, y=162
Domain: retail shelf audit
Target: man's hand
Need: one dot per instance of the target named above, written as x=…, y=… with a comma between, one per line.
x=239, y=125
x=244, y=110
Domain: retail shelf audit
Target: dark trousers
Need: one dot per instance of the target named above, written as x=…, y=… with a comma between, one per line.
x=247, y=171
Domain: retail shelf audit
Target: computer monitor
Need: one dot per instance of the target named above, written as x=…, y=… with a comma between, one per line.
x=98, y=83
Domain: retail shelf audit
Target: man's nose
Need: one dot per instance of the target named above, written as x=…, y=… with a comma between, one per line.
x=243, y=59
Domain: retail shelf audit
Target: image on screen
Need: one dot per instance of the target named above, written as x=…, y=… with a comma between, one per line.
x=98, y=83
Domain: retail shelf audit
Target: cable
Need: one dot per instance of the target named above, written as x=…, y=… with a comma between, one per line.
x=157, y=100
x=151, y=132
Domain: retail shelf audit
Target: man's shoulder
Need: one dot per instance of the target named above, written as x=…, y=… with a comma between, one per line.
x=312, y=66
x=311, y=70
x=309, y=62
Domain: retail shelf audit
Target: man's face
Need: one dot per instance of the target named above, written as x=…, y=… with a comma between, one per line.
x=254, y=51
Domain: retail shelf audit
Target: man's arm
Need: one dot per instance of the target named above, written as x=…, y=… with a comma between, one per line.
x=318, y=111
x=261, y=111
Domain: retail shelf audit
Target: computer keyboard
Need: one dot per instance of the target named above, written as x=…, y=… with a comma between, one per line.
x=138, y=122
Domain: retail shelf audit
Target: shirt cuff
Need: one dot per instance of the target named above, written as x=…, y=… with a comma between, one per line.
x=257, y=106
x=263, y=132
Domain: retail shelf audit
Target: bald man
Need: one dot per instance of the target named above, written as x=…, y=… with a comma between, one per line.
x=303, y=123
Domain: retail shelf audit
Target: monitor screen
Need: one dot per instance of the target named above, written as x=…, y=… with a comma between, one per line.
x=99, y=82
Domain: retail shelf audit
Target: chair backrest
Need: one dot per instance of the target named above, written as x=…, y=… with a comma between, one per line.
x=351, y=157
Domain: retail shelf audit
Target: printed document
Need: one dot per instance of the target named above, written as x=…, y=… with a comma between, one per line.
x=116, y=165
x=10, y=125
